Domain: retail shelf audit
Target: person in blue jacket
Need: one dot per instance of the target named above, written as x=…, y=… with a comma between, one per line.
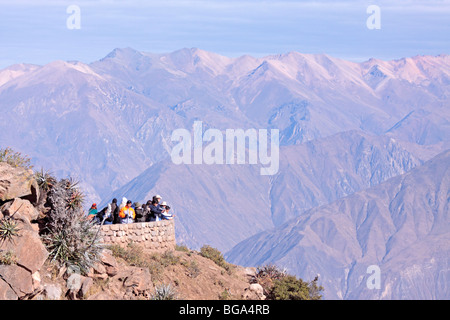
x=155, y=211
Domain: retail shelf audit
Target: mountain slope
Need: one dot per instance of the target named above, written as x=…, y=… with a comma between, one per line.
x=401, y=225
x=223, y=204
x=81, y=118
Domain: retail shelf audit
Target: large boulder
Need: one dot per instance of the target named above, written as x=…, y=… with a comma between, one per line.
x=28, y=249
x=17, y=182
x=110, y=263
x=135, y=280
x=254, y=292
x=27, y=246
x=20, y=208
x=17, y=278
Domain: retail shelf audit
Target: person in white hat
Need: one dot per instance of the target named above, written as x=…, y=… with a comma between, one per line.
x=162, y=207
x=165, y=214
x=157, y=199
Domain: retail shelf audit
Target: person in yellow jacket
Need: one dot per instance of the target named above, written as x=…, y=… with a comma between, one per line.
x=127, y=213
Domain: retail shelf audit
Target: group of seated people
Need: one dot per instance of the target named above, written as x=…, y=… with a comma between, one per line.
x=128, y=212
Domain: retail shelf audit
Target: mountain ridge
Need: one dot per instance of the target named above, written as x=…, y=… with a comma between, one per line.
x=391, y=250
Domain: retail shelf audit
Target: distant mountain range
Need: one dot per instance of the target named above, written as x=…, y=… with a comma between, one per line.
x=401, y=225
x=350, y=134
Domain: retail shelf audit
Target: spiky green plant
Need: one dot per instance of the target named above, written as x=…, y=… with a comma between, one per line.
x=70, y=238
x=164, y=292
x=76, y=245
x=71, y=183
x=76, y=200
x=45, y=180
x=8, y=229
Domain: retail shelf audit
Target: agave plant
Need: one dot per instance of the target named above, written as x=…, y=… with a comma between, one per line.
x=71, y=183
x=70, y=238
x=8, y=229
x=76, y=200
x=76, y=246
x=45, y=180
x=164, y=292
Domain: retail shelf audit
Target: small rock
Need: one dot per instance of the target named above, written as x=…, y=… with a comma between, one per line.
x=111, y=271
x=108, y=259
x=52, y=291
x=137, y=278
x=254, y=292
x=85, y=286
x=74, y=282
x=250, y=271
x=36, y=277
x=99, y=268
x=102, y=276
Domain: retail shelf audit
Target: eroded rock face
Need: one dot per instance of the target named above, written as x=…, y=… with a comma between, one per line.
x=23, y=255
x=20, y=209
x=17, y=183
x=18, y=279
x=6, y=292
x=27, y=246
x=28, y=250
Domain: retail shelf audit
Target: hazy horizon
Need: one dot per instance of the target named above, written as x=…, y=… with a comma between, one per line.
x=37, y=32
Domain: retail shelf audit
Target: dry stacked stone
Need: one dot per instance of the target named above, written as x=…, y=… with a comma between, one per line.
x=152, y=236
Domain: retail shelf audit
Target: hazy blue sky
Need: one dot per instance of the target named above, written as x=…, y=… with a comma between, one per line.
x=36, y=31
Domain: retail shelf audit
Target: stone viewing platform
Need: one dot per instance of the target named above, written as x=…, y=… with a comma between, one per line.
x=152, y=236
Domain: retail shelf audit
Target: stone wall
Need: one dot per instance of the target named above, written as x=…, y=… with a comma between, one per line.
x=152, y=236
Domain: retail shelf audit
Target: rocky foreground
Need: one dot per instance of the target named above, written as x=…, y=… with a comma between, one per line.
x=26, y=271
